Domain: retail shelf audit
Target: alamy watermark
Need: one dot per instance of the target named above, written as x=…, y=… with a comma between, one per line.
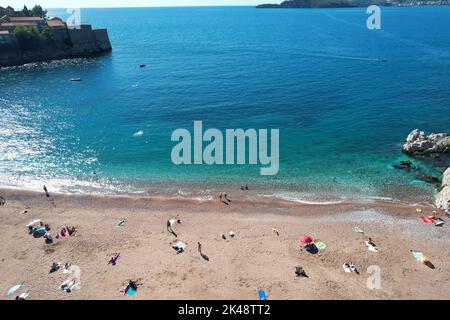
x=74, y=18
x=374, y=20
x=190, y=150
x=374, y=280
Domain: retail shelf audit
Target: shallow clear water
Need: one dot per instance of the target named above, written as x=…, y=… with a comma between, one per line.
x=314, y=74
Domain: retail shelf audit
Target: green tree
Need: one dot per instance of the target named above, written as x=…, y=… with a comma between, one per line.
x=25, y=11
x=30, y=38
x=37, y=11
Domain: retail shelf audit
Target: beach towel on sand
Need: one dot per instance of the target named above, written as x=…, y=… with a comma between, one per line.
x=39, y=232
x=32, y=223
x=439, y=222
x=262, y=295
x=320, y=245
x=358, y=230
x=13, y=289
x=179, y=247
x=427, y=219
x=131, y=291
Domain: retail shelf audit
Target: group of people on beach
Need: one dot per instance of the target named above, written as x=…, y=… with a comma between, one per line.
x=66, y=232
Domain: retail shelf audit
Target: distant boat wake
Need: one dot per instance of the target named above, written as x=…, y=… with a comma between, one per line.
x=334, y=56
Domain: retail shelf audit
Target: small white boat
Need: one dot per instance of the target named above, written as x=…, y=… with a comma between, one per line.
x=75, y=79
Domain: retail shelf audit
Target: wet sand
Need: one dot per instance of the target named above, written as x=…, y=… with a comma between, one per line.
x=254, y=259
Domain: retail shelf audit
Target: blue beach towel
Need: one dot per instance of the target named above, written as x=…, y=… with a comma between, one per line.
x=262, y=295
x=131, y=292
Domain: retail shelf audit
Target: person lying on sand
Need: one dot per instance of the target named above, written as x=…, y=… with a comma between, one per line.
x=63, y=233
x=23, y=296
x=66, y=232
x=55, y=267
x=114, y=258
x=226, y=198
x=369, y=241
x=68, y=285
x=179, y=246
x=132, y=284
x=299, y=272
x=71, y=230
x=371, y=245
x=48, y=238
x=349, y=267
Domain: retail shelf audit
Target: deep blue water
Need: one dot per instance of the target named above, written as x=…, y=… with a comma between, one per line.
x=315, y=74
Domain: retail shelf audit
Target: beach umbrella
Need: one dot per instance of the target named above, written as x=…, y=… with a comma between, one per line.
x=305, y=239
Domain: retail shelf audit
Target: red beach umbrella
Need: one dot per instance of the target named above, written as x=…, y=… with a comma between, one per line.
x=305, y=239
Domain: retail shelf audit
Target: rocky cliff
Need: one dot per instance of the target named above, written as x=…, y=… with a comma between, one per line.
x=443, y=197
x=418, y=143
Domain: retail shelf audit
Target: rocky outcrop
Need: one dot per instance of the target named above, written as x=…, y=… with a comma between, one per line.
x=418, y=143
x=443, y=197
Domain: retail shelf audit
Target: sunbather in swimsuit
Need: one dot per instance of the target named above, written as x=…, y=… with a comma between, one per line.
x=114, y=259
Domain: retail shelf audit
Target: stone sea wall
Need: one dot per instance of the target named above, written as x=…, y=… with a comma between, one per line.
x=65, y=44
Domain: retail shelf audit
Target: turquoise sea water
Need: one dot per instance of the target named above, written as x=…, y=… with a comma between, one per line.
x=315, y=74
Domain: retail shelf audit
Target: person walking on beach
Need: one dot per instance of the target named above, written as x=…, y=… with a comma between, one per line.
x=2, y=201
x=46, y=192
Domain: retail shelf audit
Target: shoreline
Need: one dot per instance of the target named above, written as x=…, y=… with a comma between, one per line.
x=211, y=196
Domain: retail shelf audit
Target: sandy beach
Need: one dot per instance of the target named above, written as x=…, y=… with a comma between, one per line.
x=238, y=267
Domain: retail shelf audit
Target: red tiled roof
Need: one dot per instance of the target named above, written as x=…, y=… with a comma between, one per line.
x=25, y=19
x=56, y=23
